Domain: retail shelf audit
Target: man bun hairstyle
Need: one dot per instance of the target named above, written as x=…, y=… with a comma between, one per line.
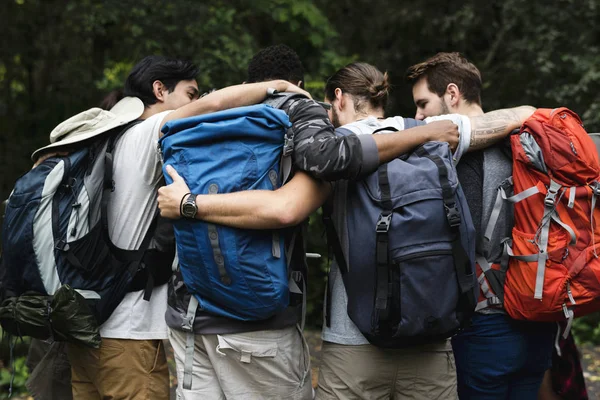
x=364, y=82
x=276, y=62
x=445, y=68
x=169, y=71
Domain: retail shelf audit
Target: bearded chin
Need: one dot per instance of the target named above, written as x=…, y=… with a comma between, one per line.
x=335, y=120
x=445, y=110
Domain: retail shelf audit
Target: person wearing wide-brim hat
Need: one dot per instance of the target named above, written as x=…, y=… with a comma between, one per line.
x=89, y=125
x=131, y=361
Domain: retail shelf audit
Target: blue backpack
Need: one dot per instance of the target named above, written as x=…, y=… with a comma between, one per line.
x=235, y=273
x=404, y=242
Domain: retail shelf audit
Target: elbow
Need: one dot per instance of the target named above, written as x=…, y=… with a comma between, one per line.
x=288, y=218
x=288, y=215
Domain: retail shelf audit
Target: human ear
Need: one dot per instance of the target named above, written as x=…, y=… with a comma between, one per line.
x=453, y=93
x=339, y=96
x=159, y=89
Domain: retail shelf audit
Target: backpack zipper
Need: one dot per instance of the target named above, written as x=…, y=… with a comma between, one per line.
x=421, y=254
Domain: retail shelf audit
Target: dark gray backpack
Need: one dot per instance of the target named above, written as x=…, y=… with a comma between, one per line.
x=405, y=244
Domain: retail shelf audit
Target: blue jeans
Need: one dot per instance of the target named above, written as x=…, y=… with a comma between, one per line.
x=500, y=358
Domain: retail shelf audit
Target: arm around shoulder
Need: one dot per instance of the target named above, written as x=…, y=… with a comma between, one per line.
x=261, y=209
x=230, y=97
x=494, y=125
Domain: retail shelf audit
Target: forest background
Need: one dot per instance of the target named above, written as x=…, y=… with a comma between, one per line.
x=59, y=57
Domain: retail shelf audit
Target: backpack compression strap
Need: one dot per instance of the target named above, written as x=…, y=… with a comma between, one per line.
x=462, y=264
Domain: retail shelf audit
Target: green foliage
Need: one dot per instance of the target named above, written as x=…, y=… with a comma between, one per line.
x=20, y=378
x=58, y=57
x=587, y=329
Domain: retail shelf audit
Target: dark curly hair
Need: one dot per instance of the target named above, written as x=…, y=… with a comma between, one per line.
x=276, y=62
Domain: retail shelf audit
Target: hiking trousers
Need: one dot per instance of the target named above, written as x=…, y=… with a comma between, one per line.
x=498, y=358
x=269, y=364
x=367, y=372
x=121, y=369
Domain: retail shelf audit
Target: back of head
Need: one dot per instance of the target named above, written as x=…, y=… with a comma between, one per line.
x=111, y=99
x=366, y=83
x=276, y=62
x=445, y=68
x=169, y=71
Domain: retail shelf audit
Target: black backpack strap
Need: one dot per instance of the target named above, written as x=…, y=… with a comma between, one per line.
x=278, y=100
x=134, y=266
x=386, y=129
x=134, y=257
x=384, y=222
x=333, y=239
x=333, y=242
x=109, y=184
x=462, y=264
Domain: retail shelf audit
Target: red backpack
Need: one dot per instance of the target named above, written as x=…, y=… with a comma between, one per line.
x=553, y=267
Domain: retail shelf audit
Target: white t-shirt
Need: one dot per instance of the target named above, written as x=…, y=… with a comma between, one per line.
x=464, y=129
x=131, y=209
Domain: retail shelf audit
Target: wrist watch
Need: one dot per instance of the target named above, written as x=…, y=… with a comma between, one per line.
x=189, y=208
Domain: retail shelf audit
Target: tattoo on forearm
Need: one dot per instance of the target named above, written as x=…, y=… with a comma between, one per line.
x=491, y=127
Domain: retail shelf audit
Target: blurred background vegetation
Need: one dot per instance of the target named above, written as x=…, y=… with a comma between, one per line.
x=59, y=57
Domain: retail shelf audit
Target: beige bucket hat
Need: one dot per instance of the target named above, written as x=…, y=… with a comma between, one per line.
x=92, y=122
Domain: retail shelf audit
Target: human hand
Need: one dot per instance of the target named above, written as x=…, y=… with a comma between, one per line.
x=296, y=89
x=444, y=131
x=171, y=197
x=46, y=156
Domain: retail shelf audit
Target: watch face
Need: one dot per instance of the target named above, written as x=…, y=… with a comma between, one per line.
x=189, y=210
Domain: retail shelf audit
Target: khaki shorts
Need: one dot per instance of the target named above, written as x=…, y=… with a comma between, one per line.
x=272, y=364
x=120, y=369
x=367, y=372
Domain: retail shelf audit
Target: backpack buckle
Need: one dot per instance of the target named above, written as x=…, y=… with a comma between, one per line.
x=507, y=183
x=452, y=215
x=494, y=301
x=288, y=143
x=62, y=245
x=187, y=324
x=383, y=223
x=551, y=195
x=595, y=188
x=549, y=200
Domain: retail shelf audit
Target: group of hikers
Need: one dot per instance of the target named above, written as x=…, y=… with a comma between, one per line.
x=489, y=356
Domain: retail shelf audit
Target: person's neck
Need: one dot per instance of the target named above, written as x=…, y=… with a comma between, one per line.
x=470, y=110
x=369, y=113
x=152, y=110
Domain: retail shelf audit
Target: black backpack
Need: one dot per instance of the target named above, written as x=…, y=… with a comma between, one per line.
x=60, y=274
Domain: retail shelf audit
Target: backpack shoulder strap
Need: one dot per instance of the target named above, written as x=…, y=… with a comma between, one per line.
x=333, y=242
x=133, y=256
x=386, y=129
x=108, y=183
x=278, y=99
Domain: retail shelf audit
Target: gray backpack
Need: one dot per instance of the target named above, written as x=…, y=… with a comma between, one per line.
x=405, y=244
